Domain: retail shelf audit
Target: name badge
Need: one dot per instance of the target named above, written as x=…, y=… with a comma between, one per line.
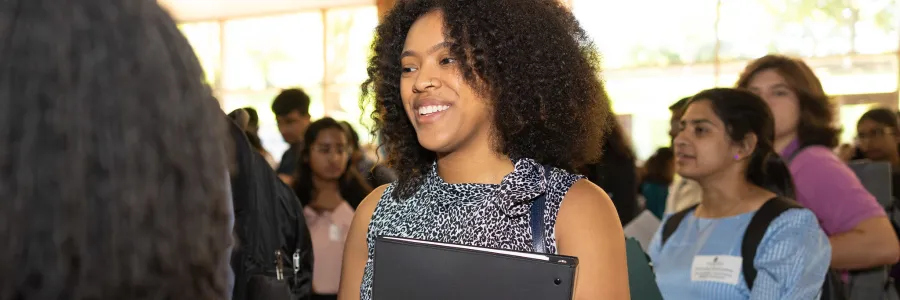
x=716, y=268
x=334, y=233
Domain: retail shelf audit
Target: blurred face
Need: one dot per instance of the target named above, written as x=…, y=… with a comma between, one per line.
x=670, y=168
x=877, y=141
x=444, y=110
x=702, y=146
x=675, y=123
x=785, y=106
x=329, y=153
x=292, y=126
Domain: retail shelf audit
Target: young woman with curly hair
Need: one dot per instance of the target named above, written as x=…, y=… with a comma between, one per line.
x=113, y=156
x=472, y=102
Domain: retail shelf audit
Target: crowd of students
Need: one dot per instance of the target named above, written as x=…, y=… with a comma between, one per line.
x=115, y=162
x=802, y=137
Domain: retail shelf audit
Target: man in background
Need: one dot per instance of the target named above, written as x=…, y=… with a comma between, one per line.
x=291, y=108
x=683, y=193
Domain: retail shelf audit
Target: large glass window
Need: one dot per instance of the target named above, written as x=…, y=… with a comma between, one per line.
x=205, y=39
x=654, y=53
x=650, y=65
x=698, y=44
x=325, y=51
x=851, y=45
x=273, y=52
x=348, y=40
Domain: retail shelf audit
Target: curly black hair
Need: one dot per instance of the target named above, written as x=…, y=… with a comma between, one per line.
x=113, y=156
x=530, y=58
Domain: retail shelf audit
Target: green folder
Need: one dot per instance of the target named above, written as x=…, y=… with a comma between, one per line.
x=641, y=280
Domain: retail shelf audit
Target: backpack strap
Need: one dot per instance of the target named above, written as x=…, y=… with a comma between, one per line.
x=537, y=216
x=672, y=224
x=756, y=230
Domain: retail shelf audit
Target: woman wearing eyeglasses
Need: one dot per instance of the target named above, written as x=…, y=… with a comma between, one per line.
x=877, y=134
x=329, y=192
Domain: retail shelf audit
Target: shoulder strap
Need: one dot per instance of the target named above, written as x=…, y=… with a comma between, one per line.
x=756, y=230
x=537, y=216
x=672, y=224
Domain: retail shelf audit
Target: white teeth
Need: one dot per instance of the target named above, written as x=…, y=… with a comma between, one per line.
x=430, y=109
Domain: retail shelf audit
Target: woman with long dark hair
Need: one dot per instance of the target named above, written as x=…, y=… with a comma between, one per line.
x=328, y=162
x=725, y=144
x=861, y=235
x=113, y=160
x=480, y=113
x=329, y=189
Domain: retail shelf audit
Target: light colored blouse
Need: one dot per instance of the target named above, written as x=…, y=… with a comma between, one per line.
x=328, y=231
x=702, y=259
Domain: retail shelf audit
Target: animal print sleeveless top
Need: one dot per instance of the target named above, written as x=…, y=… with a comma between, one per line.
x=482, y=215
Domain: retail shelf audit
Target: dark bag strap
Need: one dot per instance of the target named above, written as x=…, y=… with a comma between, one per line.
x=756, y=230
x=752, y=236
x=672, y=224
x=537, y=215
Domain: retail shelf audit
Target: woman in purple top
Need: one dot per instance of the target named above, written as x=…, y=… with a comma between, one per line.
x=860, y=233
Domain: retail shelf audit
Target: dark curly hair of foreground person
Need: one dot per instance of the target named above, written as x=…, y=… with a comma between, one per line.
x=531, y=58
x=113, y=169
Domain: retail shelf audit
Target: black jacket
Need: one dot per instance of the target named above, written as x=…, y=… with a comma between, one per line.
x=268, y=217
x=617, y=175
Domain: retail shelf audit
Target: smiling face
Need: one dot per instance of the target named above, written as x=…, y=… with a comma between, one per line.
x=446, y=112
x=702, y=145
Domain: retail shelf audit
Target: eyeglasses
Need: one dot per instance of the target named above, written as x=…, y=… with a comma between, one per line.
x=875, y=133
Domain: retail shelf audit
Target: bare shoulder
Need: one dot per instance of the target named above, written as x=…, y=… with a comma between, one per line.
x=588, y=227
x=368, y=205
x=586, y=200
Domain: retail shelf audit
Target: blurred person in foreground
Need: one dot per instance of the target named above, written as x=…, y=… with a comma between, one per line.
x=113, y=169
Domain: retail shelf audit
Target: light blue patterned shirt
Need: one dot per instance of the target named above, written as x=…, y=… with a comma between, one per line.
x=791, y=260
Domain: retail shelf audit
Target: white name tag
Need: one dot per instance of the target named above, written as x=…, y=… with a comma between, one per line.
x=334, y=233
x=717, y=268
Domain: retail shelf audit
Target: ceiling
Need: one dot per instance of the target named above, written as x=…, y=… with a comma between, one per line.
x=204, y=10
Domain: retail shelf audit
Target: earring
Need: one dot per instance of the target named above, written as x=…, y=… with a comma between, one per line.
x=737, y=157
